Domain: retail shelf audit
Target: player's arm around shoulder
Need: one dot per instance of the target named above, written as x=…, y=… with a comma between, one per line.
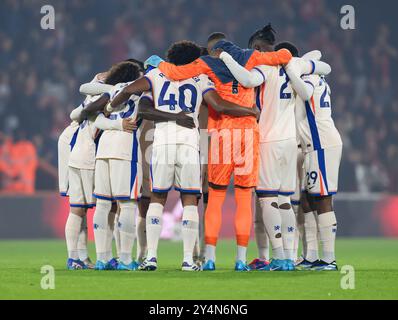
x=147, y=111
x=280, y=57
x=186, y=71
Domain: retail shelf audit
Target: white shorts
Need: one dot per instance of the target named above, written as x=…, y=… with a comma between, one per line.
x=278, y=163
x=300, y=174
x=64, y=148
x=175, y=165
x=322, y=171
x=81, y=187
x=117, y=179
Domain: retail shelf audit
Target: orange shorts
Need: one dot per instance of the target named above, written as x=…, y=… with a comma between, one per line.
x=234, y=152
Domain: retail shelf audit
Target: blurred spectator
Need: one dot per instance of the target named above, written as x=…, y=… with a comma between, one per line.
x=40, y=71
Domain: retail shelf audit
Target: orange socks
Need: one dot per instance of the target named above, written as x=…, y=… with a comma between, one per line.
x=243, y=216
x=213, y=215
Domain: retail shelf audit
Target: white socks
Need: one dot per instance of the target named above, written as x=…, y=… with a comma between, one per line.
x=260, y=233
x=210, y=253
x=311, y=236
x=72, y=230
x=190, y=229
x=101, y=227
x=127, y=229
x=115, y=233
x=288, y=226
x=273, y=224
x=82, y=242
x=327, y=235
x=241, y=254
x=154, y=222
x=141, y=238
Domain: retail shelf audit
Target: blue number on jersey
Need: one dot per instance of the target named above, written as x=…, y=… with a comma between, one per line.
x=284, y=95
x=325, y=96
x=172, y=102
x=194, y=96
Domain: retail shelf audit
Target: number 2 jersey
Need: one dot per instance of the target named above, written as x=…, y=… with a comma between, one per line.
x=276, y=100
x=315, y=126
x=175, y=97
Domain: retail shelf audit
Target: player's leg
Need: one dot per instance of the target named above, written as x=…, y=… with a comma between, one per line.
x=87, y=178
x=200, y=246
x=143, y=206
x=162, y=178
x=103, y=207
x=75, y=218
x=267, y=193
x=125, y=182
x=296, y=204
x=145, y=154
x=188, y=182
x=262, y=240
x=246, y=163
x=329, y=162
x=220, y=169
x=114, y=233
x=288, y=185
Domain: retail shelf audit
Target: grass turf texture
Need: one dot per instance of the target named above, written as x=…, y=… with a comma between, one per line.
x=375, y=262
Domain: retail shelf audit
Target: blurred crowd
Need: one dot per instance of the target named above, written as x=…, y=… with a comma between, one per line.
x=41, y=70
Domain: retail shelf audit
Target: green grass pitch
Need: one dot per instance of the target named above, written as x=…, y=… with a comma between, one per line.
x=375, y=262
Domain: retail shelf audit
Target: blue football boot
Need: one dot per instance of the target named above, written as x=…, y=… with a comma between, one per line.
x=99, y=265
x=209, y=266
x=241, y=266
x=72, y=264
x=112, y=264
x=133, y=266
x=258, y=264
x=275, y=265
x=289, y=265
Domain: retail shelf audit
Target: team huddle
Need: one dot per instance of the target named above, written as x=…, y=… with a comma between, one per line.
x=260, y=117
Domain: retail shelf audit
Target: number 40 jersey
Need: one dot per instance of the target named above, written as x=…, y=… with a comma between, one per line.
x=175, y=97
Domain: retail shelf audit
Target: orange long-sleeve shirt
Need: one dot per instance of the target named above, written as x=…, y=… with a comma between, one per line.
x=227, y=86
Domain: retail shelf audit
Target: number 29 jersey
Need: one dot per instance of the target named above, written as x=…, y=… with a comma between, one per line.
x=175, y=97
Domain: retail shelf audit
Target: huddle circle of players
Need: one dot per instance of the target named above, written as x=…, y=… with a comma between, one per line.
x=266, y=117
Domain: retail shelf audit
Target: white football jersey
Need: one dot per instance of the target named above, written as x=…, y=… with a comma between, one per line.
x=276, y=100
x=82, y=155
x=117, y=144
x=316, y=127
x=174, y=97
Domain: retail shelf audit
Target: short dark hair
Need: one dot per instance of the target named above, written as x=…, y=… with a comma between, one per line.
x=140, y=63
x=289, y=46
x=266, y=34
x=203, y=51
x=183, y=52
x=123, y=72
x=216, y=36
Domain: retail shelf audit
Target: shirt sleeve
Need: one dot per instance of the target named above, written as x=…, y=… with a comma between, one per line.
x=206, y=84
x=184, y=72
x=103, y=123
x=276, y=58
x=248, y=79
